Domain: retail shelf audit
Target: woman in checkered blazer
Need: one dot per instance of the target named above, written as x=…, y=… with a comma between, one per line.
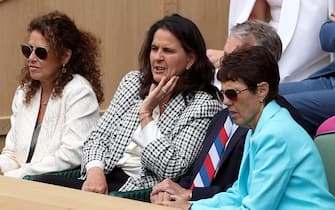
x=157, y=120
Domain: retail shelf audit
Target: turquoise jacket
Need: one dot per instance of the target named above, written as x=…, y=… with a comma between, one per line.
x=281, y=169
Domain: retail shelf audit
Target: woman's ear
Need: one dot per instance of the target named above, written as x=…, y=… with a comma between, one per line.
x=190, y=60
x=262, y=90
x=67, y=56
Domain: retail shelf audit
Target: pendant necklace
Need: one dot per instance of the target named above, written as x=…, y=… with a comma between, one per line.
x=44, y=102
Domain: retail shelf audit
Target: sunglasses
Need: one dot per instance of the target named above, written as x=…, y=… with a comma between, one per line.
x=40, y=52
x=232, y=94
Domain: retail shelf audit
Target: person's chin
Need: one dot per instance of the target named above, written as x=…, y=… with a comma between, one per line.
x=236, y=118
x=158, y=78
x=34, y=76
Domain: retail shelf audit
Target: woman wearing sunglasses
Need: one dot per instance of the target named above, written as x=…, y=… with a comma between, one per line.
x=57, y=103
x=281, y=167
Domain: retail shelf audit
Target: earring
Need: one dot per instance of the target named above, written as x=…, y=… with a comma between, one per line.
x=261, y=100
x=63, y=68
x=189, y=66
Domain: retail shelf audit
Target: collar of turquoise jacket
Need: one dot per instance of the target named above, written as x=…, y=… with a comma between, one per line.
x=268, y=112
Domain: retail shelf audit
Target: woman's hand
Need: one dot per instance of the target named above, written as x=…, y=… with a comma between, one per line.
x=215, y=57
x=169, y=190
x=157, y=93
x=169, y=193
x=95, y=181
x=160, y=197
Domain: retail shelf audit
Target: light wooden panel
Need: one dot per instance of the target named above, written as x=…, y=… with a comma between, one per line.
x=4, y=125
x=120, y=24
x=210, y=16
x=2, y=142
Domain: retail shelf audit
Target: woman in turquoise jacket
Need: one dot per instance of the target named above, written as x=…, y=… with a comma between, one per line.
x=281, y=167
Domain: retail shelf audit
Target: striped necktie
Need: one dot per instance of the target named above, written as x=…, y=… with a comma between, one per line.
x=208, y=168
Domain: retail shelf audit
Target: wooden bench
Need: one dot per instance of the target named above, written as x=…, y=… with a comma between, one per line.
x=18, y=194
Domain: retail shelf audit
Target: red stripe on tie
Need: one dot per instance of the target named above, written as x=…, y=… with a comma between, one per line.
x=209, y=167
x=223, y=136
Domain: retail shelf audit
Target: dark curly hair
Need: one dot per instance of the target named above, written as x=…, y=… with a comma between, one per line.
x=201, y=73
x=62, y=34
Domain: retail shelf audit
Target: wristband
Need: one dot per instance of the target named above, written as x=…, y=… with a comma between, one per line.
x=144, y=113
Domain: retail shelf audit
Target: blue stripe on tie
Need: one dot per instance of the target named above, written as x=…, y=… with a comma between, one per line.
x=219, y=146
x=204, y=176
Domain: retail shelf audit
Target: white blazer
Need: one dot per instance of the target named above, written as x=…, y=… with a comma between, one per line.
x=66, y=124
x=299, y=26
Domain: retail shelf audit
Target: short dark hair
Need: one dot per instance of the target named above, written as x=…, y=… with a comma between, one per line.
x=251, y=65
x=200, y=74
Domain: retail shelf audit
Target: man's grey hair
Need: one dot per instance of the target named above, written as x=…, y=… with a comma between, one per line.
x=263, y=33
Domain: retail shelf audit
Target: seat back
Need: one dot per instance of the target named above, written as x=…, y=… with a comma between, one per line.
x=328, y=126
x=140, y=195
x=74, y=173
x=326, y=146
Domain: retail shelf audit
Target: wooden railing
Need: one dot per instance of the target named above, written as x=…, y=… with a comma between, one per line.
x=4, y=127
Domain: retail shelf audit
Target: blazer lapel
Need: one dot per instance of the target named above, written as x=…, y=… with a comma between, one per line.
x=25, y=125
x=239, y=133
x=51, y=119
x=169, y=116
x=288, y=20
x=213, y=134
x=245, y=165
x=130, y=123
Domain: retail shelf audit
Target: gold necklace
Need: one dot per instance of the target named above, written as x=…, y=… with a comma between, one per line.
x=45, y=99
x=44, y=102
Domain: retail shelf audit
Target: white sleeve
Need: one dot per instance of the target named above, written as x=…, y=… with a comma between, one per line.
x=8, y=159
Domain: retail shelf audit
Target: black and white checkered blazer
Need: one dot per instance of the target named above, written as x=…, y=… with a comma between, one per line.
x=183, y=125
